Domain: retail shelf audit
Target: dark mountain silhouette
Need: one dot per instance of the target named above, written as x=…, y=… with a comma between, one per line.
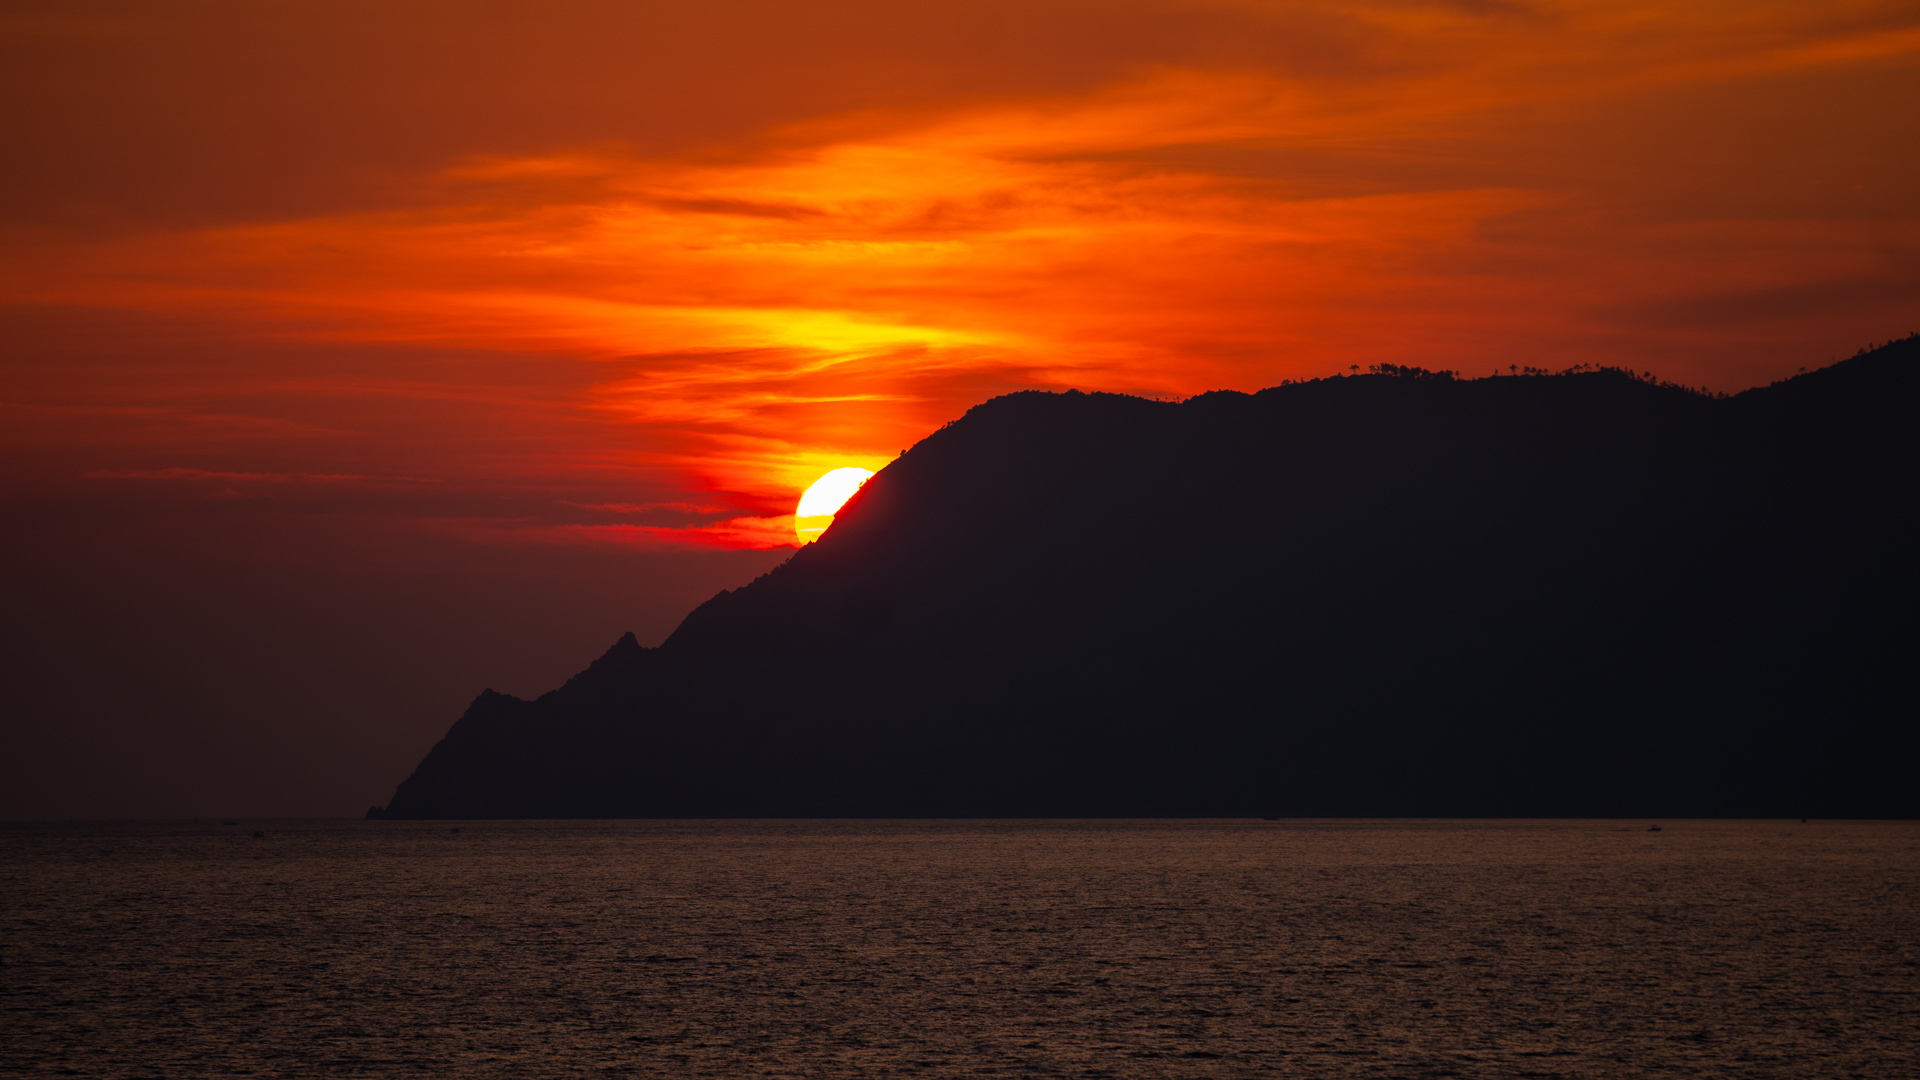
x=1400, y=593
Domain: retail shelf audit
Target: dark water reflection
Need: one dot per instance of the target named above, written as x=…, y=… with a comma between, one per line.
x=1132, y=949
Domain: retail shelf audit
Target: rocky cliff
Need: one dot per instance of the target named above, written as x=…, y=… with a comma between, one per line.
x=1398, y=593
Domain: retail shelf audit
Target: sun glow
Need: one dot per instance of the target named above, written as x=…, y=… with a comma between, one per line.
x=824, y=499
x=795, y=272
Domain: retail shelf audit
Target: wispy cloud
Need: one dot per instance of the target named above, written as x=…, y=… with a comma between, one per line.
x=1461, y=185
x=647, y=508
x=225, y=476
x=733, y=534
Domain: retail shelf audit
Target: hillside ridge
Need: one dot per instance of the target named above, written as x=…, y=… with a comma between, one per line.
x=1404, y=592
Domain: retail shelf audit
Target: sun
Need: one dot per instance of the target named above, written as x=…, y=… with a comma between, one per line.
x=824, y=499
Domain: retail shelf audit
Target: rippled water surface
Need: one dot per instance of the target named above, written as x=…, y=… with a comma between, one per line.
x=1130, y=949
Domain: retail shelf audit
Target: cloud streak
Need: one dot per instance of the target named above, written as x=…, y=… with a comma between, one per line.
x=1462, y=186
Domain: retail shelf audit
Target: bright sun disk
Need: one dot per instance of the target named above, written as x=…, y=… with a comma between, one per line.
x=824, y=499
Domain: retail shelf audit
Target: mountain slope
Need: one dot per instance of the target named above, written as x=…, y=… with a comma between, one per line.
x=1388, y=594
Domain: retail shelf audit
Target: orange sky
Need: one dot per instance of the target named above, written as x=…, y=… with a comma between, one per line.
x=356, y=355
x=637, y=273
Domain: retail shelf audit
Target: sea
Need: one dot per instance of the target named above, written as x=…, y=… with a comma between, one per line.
x=1242, y=948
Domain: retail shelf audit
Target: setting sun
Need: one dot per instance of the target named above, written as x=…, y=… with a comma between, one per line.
x=824, y=499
